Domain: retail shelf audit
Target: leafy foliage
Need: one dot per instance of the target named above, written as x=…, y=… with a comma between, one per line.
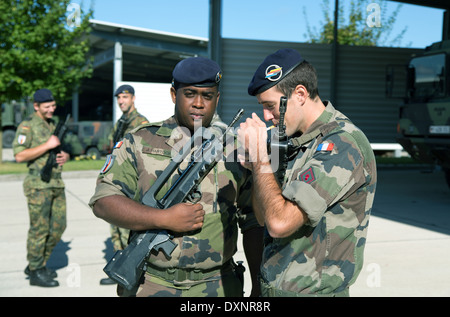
x=39, y=50
x=354, y=29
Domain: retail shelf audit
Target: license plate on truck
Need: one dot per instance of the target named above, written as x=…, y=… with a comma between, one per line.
x=440, y=129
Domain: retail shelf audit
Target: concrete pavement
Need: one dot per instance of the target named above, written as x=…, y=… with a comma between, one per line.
x=407, y=250
x=408, y=244
x=79, y=257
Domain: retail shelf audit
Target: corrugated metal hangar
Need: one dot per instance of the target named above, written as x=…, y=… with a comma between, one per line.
x=352, y=77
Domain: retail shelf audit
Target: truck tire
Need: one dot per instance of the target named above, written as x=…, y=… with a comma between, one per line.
x=94, y=153
x=8, y=138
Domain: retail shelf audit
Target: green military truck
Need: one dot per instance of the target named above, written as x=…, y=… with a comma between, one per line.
x=424, y=118
x=89, y=138
x=12, y=115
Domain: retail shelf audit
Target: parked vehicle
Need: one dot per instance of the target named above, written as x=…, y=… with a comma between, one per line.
x=12, y=115
x=424, y=117
x=89, y=138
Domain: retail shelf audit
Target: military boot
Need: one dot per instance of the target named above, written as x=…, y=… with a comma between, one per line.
x=40, y=277
x=50, y=272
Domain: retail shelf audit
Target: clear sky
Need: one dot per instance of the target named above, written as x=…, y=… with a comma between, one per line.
x=281, y=20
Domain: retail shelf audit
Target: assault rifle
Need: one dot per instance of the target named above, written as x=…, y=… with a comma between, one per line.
x=60, y=132
x=279, y=144
x=127, y=266
x=121, y=127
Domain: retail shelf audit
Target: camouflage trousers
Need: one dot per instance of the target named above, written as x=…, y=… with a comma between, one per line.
x=47, y=211
x=223, y=283
x=270, y=291
x=119, y=237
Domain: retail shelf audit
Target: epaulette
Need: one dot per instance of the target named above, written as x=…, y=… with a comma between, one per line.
x=147, y=125
x=327, y=128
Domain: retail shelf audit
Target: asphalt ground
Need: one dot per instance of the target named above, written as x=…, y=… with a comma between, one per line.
x=407, y=251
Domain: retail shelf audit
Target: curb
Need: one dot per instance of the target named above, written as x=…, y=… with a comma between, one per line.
x=65, y=175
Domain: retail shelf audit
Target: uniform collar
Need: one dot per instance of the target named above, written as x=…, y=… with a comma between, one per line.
x=325, y=117
x=171, y=130
x=44, y=121
x=131, y=113
x=317, y=127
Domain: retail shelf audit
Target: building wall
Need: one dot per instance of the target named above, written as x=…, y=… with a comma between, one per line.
x=360, y=91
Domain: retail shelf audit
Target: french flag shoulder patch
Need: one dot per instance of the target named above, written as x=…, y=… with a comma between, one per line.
x=118, y=145
x=326, y=146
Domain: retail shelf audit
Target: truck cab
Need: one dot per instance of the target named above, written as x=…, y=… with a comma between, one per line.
x=424, y=115
x=89, y=138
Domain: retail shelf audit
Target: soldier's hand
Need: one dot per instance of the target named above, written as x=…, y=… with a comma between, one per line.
x=185, y=217
x=61, y=158
x=252, y=137
x=53, y=142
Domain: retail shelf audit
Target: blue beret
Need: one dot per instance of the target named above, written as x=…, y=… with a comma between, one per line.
x=273, y=69
x=196, y=71
x=124, y=89
x=43, y=95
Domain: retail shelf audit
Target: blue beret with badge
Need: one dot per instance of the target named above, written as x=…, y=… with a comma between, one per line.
x=273, y=69
x=124, y=89
x=196, y=71
x=43, y=95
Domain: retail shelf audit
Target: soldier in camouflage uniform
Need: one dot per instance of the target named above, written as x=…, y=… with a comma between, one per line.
x=316, y=221
x=46, y=201
x=205, y=232
x=131, y=119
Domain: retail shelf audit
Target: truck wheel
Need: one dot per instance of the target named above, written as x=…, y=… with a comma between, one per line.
x=8, y=138
x=94, y=153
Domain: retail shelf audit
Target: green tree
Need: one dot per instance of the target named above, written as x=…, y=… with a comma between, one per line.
x=39, y=49
x=353, y=28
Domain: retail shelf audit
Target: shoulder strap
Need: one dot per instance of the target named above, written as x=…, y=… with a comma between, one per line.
x=305, y=138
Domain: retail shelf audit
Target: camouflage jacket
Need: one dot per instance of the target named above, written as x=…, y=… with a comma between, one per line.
x=134, y=120
x=32, y=132
x=132, y=169
x=333, y=179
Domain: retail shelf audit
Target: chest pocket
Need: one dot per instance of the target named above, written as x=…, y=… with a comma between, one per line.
x=151, y=164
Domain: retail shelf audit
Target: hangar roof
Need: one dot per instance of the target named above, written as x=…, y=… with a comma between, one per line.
x=148, y=55
x=438, y=4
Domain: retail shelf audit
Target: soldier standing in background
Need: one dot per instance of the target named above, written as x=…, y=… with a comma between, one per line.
x=317, y=217
x=46, y=200
x=129, y=120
